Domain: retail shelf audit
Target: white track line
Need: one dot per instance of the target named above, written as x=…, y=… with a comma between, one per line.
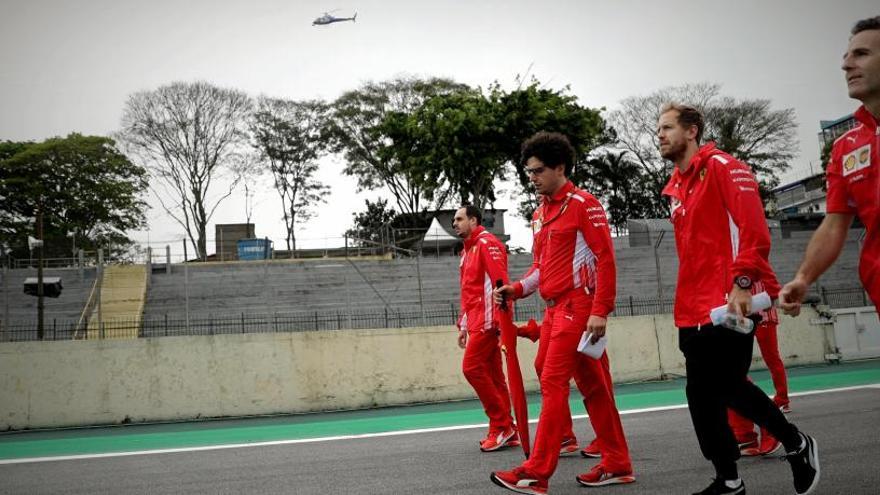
x=362, y=435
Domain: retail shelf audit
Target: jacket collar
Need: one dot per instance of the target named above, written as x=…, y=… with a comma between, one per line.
x=472, y=239
x=864, y=116
x=697, y=163
x=563, y=191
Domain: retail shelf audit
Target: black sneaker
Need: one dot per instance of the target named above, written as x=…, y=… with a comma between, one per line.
x=719, y=488
x=805, y=465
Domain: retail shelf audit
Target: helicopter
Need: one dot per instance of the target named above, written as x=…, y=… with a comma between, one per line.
x=329, y=19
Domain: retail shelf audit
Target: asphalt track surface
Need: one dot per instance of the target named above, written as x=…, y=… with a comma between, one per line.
x=443, y=459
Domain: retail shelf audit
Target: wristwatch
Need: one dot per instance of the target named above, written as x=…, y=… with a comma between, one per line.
x=743, y=282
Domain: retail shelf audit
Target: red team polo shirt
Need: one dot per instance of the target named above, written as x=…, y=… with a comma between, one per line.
x=854, y=188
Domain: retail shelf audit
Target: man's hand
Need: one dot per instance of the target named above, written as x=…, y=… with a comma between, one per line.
x=505, y=291
x=462, y=338
x=596, y=326
x=792, y=295
x=739, y=303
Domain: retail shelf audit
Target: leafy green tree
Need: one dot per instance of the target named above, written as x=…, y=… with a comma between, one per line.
x=358, y=127
x=608, y=174
x=453, y=143
x=189, y=135
x=84, y=186
x=287, y=135
x=372, y=224
x=527, y=110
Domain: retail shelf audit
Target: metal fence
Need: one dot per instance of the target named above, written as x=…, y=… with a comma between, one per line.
x=339, y=319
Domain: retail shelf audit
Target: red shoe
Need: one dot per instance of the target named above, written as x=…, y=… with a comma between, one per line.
x=769, y=443
x=513, y=442
x=497, y=439
x=784, y=406
x=568, y=446
x=519, y=480
x=592, y=451
x=749, y=449
x=599, y=476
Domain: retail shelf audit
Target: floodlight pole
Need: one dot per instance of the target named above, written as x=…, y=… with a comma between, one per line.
x=40, y=309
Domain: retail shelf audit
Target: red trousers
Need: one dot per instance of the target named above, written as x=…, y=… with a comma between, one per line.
x=743, y=429
x=482, y=369
x=769, y=344
x=593, y=380
x=557, y=362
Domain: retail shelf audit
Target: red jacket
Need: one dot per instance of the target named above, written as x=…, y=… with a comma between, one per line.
x=854, y=188
x=483, y=261
x=572, y=249
x=720, y=233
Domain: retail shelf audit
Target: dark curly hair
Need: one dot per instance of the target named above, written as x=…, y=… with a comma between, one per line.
x=866, y=24
x=552, y=148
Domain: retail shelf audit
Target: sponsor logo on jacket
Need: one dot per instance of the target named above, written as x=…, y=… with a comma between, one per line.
x=857, y=160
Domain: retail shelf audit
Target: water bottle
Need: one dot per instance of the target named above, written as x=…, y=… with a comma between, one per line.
x=721, y=317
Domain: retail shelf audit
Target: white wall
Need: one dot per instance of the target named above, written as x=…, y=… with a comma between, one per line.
x=50, y=384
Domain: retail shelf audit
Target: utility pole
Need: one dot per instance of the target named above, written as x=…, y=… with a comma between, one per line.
x=40, y=309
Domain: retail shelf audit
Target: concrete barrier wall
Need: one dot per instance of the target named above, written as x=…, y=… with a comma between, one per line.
x=51, y=384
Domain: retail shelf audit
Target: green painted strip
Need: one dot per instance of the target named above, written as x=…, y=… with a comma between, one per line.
x=183, y=435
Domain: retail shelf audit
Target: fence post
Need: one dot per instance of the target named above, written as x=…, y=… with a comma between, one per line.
x=657, y=265
x=166, y=324
x=186, y=292
x=167, y=259
x=386, y=317
x=100, y=283
x=242, y=322
x=6, y=316
x=316, y=320
x=631, y=305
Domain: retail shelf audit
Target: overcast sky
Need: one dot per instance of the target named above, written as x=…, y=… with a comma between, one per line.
x=69, y=66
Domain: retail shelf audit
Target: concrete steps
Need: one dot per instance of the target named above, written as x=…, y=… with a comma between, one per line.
x=123, y=295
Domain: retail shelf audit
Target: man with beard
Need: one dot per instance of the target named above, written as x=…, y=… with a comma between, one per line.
x=723, y=246
x=483, y=261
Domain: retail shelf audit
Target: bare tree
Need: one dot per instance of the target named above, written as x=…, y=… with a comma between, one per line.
x=750, y=130
x=287, y=136
x=189, y=135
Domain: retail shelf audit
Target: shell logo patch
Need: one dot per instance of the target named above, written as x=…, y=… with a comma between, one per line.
x=857, y=160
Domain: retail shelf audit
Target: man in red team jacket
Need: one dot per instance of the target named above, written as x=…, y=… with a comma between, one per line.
x=853, y=177
x=574, y=271
x=723, y=246
x=483, y=261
